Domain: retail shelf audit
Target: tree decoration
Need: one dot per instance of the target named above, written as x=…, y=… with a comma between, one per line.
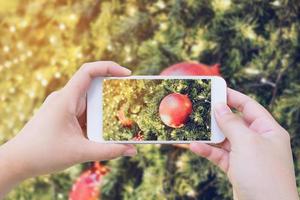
x=191, y=68
x=174, y=109
x=87, y=184
x=138, y=137
x=126, y=122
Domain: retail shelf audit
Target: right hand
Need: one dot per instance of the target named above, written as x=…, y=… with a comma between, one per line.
x=256, y=156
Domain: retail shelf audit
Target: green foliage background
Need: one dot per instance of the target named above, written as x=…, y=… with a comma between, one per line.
x=43, y=43
x=140, y=100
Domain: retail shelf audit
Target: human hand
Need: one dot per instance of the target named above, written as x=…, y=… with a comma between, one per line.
x=54, y=138
x=256, y=156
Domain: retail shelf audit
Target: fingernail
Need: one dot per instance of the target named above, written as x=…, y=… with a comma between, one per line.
x=222, y=109
x=127, y=71
x=130, y=152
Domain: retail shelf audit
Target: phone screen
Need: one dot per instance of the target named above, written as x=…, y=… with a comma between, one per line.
x=156, y=109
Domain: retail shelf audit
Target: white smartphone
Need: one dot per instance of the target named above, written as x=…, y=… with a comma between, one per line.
x=154, y=109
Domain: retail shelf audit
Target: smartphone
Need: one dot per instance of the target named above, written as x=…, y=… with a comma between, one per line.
x=154, y=109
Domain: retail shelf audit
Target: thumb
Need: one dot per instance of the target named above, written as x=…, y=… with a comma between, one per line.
x=232, y=125
x=100, y=151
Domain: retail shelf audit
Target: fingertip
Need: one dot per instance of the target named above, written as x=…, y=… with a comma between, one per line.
x=117, y=70
x=130, y=152
x=126, y=71
x=104, y=151
x=199, y=148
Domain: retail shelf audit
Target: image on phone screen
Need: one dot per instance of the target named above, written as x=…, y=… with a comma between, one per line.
x=156, y=109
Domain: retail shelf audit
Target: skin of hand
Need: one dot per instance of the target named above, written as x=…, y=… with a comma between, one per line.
x=256, y=156
x=54, y=138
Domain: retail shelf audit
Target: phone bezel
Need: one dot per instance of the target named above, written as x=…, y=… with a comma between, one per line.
x=95, y=106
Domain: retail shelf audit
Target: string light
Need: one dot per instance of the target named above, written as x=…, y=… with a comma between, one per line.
x=20, y=45
x=72, y=17
x=15, y=130
x=29, y=53
x=6, y=49
x=16, y=61
x=62, y=26
x=39, y=76
x=7, y=64
x=154, y=42
x=267, y=82
x=12, y=90
x=65, y=62
x=109, y=47
x=276, y=3
x=60, y=196
x=191, y=193
x=52, y=39
x=10, y=123
x=179, y=164
x=79, y=55
x=31, y=94
x=129, y=59
x=44, y=82
x=161, y=4
x=248, y=32
x=163, y=26
x=3, y=98
x=199, y=47
x=252, y=71
x=23, y=23
x=131, y=10
x=57, y=75
x=19, y=77
x=12, y=29
x=53, y=61
x=127, y=49
x=221, y=5
x=23, y=57
x=21, y=116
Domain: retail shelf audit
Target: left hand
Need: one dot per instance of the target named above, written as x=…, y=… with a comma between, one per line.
x=54, y=138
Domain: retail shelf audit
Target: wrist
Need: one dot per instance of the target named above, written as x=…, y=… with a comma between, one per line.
x=289, y=192
x=11, y=170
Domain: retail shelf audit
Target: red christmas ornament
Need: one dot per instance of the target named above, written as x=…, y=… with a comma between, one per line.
x=138, y=137
x=126, y=122
x=175, y=109
x=86, y=186
x=191, y=69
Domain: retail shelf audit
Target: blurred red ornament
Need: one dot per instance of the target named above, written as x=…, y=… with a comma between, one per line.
x=192, y=68
x=126, y=122
x=174, y=109
x=87, y=185
x=138, y=136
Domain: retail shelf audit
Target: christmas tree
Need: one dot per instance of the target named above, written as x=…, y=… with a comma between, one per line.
x=44, y=42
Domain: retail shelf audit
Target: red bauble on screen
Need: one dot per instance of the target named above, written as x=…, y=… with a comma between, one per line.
x=191, y=68
x=174, y=109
